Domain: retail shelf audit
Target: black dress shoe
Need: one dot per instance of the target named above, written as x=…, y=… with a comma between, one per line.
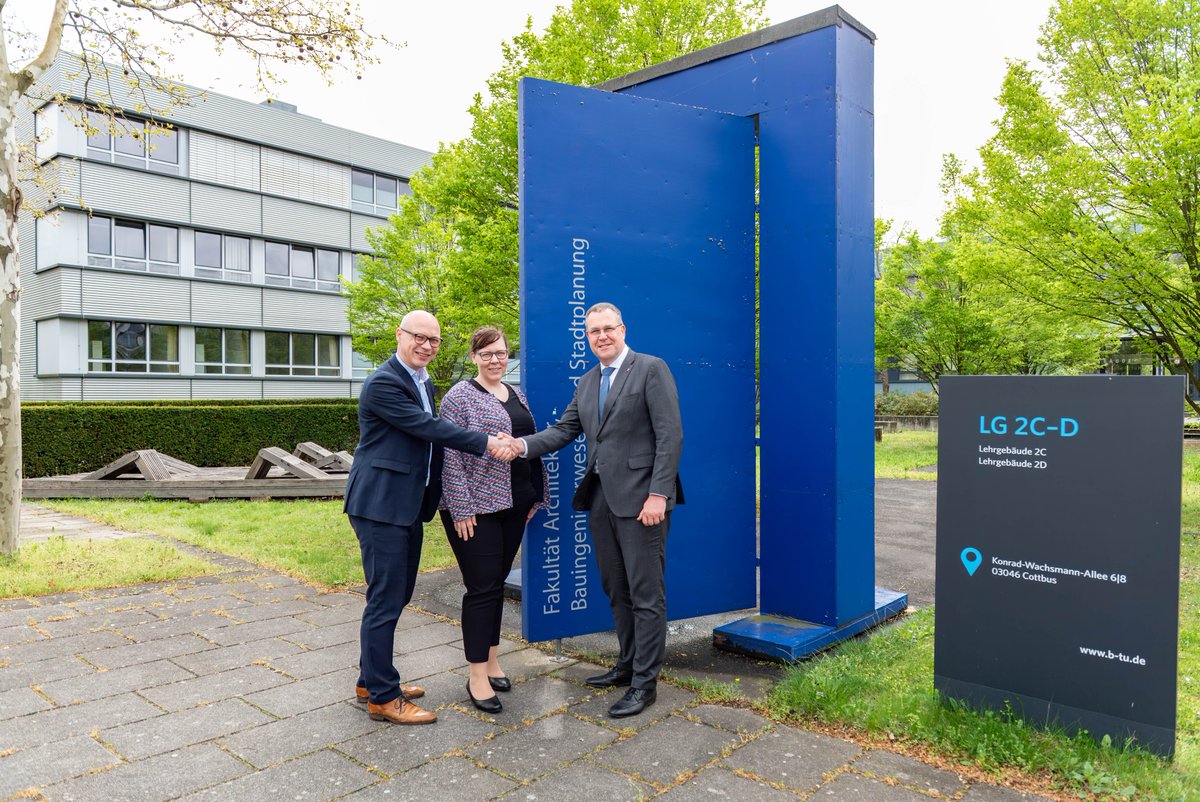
x=500, y=683
x=612, y=679
x=490, y=706
x=633, y=702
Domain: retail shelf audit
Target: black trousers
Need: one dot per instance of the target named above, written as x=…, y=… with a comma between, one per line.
x=390, y=556
x=632, y=559
x=485, y=560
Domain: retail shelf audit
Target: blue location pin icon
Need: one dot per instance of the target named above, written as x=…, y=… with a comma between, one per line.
x=971, y=558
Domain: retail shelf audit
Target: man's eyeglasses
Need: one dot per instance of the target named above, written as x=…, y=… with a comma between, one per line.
x=491, y=356
x=423, y=338
x=607, y=331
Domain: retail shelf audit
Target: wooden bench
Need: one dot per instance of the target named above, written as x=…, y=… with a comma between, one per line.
x=273, y=456
x=148, y=463
x=323, y=458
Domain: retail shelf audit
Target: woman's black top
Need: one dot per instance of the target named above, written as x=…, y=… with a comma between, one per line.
x=526, y=482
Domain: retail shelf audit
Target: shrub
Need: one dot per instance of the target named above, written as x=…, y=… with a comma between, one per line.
x=70, y=437
x=906, y=404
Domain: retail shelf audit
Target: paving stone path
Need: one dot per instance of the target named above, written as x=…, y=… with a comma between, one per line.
x=240, y=687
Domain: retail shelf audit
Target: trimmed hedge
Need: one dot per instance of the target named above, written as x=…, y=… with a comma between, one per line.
x=922, y=404
x=72, y=437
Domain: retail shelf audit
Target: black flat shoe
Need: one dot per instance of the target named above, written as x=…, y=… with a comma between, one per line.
x=500, y=683
x=633, y=702
x=611, y=679
x=490, y=706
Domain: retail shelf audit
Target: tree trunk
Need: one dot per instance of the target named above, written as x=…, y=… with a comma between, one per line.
x=10, y=342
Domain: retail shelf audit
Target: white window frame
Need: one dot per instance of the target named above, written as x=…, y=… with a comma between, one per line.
x=103, y=145
x=302, y=282
x=97, y=258
x=309, y=370
x=226, y=368
x=114, y=365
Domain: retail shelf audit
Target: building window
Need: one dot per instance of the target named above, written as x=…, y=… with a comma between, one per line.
x=118, y=347
x=222, y=256
x=223, y=351
x=362, y=366
x=298, y=354
x=303, y=267
x=133, y=245
x=376, y=194
x=133, y=143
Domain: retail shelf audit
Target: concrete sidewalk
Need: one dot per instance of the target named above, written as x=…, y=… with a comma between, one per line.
x=240, y=687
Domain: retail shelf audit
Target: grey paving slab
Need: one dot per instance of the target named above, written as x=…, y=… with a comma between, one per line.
x=340, y=614
x=39, y=673
x=225, y=658
x=147, y=651
x=578, y=671
x=298, y=735
x=67, y=722
x=313, y=778
x=60, y=647
x=983, y=792
x=536, y=697
x=415, y=665
x=52, y=762
x=110, y=683
x=662, y=752
x=444, y=689
x=394, y=749
x=523, y=663
x=584, y=782
x=285, y=594
x=338, y=598
x=231, y=635
x=791, y=757
x=907, y=771
x=20, y=702
x=541, y=747
x=173, y=731
x=323, y=636
x=262, y=612
x=177, y=608
x=212, y=687
x=303, y=665
x=717, y=783
x=124, y=601
x=153, y=779
x=170, y=627
x=851, y=787
x=80, y=624
x=670, y=700
x=733, y=719
x=450, y=779
x=414, y=618
x=434, y=634
x=307, y=694
x=22, y=633
x=35, y=613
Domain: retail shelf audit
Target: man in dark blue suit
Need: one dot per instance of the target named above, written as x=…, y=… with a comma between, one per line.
x=393, y=488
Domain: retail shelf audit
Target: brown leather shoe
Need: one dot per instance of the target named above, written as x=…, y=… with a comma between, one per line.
x=362, y=695
x=400, y=711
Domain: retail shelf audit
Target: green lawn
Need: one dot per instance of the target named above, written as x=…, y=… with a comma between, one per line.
x=59, y=565
x=900, y=454
x=311, y=540
x=883, y=685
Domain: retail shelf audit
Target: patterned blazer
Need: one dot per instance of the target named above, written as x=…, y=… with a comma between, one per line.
x=477, y=484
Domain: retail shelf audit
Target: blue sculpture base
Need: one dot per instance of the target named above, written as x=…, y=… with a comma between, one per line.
x=776, y=637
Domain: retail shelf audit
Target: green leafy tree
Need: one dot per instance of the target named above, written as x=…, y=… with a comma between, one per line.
x=408, y=271
x=1091, y=183
x=472, y=184
x=938, y=310
x=122, y=50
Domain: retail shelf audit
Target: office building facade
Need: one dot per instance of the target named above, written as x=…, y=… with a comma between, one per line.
x=201, y=262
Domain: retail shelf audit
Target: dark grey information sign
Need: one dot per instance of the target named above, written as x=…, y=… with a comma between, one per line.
x=1058, y=550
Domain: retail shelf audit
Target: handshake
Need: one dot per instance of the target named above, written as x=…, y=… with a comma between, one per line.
x=505, y=447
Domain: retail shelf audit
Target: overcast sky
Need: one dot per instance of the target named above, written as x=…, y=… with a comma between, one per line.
x=938, y=66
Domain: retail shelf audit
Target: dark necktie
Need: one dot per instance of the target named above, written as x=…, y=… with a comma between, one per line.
x=605, y=382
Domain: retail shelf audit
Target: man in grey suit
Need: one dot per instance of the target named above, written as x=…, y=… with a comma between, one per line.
x=629, y=409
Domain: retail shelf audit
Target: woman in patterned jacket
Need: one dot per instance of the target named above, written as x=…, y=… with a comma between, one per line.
x=486, y=504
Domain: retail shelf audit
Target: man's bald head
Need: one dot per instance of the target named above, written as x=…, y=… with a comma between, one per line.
x=418, y=338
